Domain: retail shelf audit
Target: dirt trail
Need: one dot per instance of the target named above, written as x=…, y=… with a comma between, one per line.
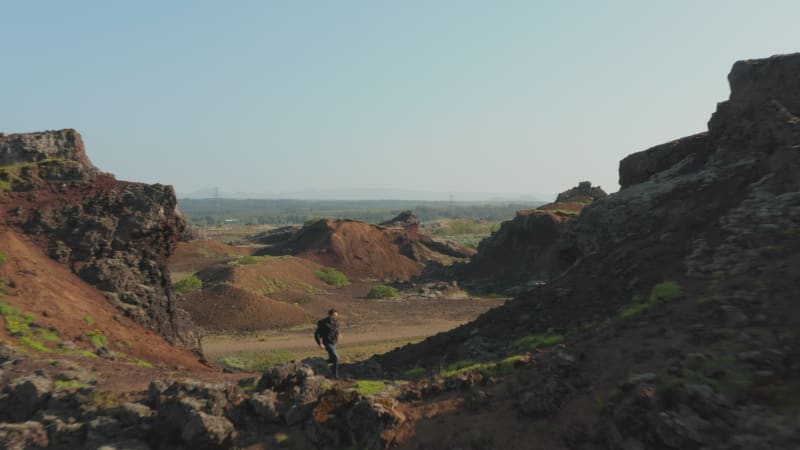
x=218, y=346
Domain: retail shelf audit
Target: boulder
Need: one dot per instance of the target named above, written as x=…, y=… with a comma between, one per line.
x=347, y=419
x=265, y=406
x=133, y=414
x=405, y=219
x=26, y=395
x=584, y=192
x=26, y=435
x=203, y=431
x=66, y=434
x=285, y=376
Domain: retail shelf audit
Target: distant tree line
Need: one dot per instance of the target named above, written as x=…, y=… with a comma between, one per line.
x=208, y=212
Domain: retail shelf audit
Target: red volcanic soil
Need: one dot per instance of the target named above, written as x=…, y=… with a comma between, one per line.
x=226, y=308
x=358, y=249
x=272, y=292
x=195, y=255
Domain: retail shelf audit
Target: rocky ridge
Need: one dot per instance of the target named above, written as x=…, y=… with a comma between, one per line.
x=677, y=291
x=116, y=235
x=286, y=405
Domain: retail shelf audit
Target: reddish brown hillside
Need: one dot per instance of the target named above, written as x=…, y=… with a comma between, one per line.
x=396, y=251
x=255, y=293
x=226, y=308
x=194, y=255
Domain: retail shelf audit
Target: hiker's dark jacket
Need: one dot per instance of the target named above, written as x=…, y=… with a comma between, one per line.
x=327, y=331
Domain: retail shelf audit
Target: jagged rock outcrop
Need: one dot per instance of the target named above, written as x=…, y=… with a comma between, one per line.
x=115, y=235
x=523, y=250
x=37, y=411
x=584, y=193
x=740, y=178
x=36, y=147
x=405, y=219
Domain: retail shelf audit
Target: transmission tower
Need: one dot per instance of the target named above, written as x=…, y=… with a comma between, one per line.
x=217, y=207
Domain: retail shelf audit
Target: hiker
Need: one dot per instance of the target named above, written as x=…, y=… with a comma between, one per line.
x=327, y=335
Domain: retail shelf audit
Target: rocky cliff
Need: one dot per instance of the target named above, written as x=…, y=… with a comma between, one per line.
x=114, y=234
x=523, y=253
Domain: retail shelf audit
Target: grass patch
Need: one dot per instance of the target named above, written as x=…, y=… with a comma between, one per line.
x=246, y=260
x=143, y=363
x=272, y=285
x=661, y=293
x=89, y=320
x=491, y=369
x=48, y=335
x=382, y=291
x=534, y=341
x=457, y=227
x=505, y=366
x=251, y=387
x=97, y=338
x=8, y=310
x=635, y=309
x=416, y=372
x=19, y=325
x=70, y=384
x=665, y=292
x=188, y=285
x=370, y=387
x=309, y=288
x=251, y=259
x=458, y=367
x=34, y=344
x=3, y=258
x=332, y=277
x=282, y=439
x=258, y=361
x=84, y=353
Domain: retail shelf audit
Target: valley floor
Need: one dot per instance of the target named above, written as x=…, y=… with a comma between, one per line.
x=369, y=327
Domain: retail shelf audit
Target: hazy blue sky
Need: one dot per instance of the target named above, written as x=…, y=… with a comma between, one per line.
x=267, y=96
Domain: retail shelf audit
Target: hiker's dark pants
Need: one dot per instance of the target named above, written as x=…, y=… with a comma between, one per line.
x=333, y=358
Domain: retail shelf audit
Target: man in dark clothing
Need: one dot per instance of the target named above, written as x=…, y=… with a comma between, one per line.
x=327, y=335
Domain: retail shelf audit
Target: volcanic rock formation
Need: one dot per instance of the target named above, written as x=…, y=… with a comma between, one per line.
x=523, y=253
x=116, y=235
x=680, y=290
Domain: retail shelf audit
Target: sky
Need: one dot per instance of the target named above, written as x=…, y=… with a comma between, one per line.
x=519, y=97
